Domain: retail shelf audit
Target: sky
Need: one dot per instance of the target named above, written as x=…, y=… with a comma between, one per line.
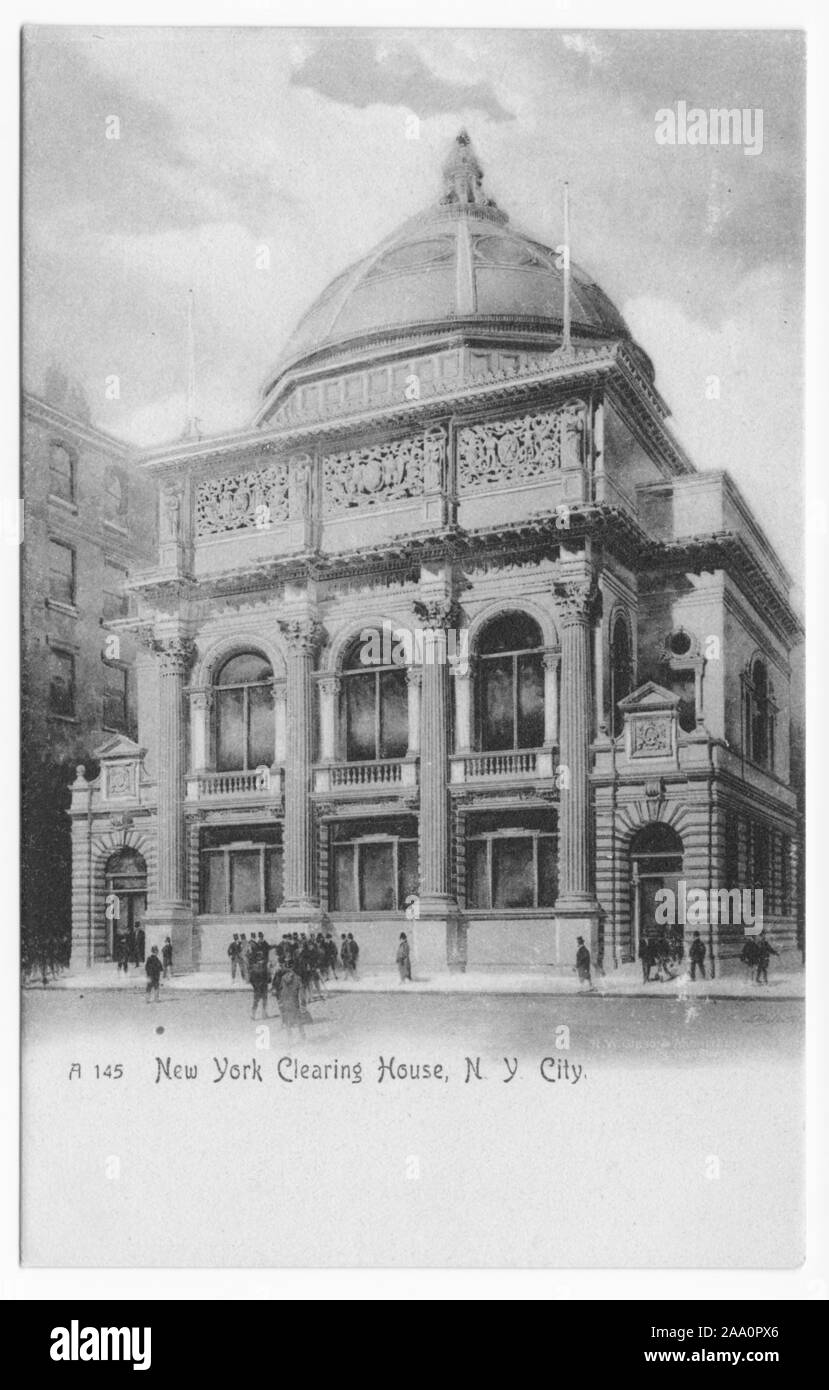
x=253, y=165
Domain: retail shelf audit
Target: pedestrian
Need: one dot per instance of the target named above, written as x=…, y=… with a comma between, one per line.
x=243, y=957
x=764, y=950
x=748, y=956
x=153, y=970
x=140, y=946
x=258, y=977
x=354, y=952
x=234, y=952
x=331, y=954
x=677, y=943
x=122, y=952
x=696, y=955
x=646, y=957
x=583, y=963
x=288, y=988
x=404, y=960
x=167, y=957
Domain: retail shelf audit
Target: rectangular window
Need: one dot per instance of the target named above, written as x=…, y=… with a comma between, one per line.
x=530, y=701
x=115, y=697
x=61, y=572
x=260, y=726
x=370, y=873
x=61, y=683
x=343, y=891
x=512, y=873
x=213, y=884
x=230, y=729
x=61, y=473
x=377, y=886
x=245, y=885
x=477, y=874
x=394, y=714
x=497, y=724
x=360, y=715
x=241, y=870
x=115, y=599
x=511, y=860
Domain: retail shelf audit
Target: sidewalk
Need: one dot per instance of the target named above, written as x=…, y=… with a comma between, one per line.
x=626, y=982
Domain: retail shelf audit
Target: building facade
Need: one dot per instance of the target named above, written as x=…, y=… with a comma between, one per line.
x=88, y=520
x=455, y=638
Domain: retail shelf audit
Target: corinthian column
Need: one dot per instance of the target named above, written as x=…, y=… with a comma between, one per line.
x=438, y=940
x=170, y=914
x=576, y=907
x=301, y=903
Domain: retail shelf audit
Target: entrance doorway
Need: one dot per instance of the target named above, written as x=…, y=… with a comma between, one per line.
x=126, y=890
x=655, y=863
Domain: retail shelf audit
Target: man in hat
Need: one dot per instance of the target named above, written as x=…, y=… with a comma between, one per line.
x=696, y=956
x=153, y=970
x=583, y=963
x=234, y=952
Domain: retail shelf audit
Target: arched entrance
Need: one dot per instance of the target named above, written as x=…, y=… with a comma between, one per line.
x=655, y=863
x=126, y=897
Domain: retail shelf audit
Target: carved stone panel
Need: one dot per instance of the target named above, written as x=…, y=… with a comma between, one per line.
x=242, y=501
x=503, y=452
x=382, y=473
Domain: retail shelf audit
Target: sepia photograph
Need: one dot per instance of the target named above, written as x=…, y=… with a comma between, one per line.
x=412, y=647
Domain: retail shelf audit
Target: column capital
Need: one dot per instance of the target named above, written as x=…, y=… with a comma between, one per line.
x=414, y=676
x=328, y=684
x=176, y=653
x=552, y=660
x=440, y=612
x=577, y=600
x=303, y=635
x=201, y=697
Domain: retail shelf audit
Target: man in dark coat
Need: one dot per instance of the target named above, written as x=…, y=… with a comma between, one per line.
x=140, y=941
x=153, y=970
x=354, y=952
x=645, y=956
x=288, y=997
x=764, y=951
x=234, y=952
x=167, y=957
x=404, y=959
x=258, y=977
x=696, y=955
x=583, y=962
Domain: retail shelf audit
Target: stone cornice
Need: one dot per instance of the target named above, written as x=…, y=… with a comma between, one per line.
x=578, y=368
x=35, y=408
x=727, y=551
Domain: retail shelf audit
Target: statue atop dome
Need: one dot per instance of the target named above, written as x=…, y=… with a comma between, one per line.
x=463, y=175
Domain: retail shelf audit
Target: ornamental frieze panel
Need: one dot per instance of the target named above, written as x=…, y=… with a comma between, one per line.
x=503, y=452
x=243, y=501
x=382, y=473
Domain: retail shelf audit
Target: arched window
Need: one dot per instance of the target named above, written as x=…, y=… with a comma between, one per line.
x=759, y=722
x=621, y=670
x=375, y=707
x=511, y=683
x=244, y=713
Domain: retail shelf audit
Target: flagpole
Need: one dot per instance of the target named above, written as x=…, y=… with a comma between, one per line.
x=192, y=423
x=565, y=336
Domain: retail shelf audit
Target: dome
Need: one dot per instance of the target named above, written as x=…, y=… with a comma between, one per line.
x=460, y=261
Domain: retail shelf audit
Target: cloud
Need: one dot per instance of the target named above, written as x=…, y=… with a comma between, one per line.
x=359, y=69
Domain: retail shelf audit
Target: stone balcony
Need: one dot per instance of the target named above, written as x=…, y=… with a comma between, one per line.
x=254, y=784
x=520, y=765
x=364, y=778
